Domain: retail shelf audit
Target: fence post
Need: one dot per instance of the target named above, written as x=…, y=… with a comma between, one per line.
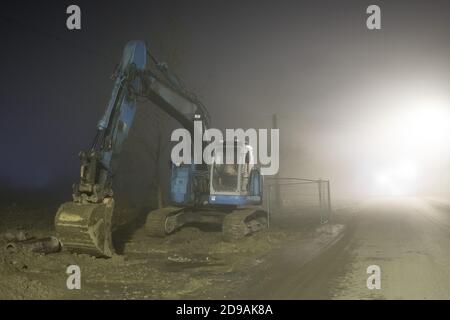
x=320, y=192
x=329, y=199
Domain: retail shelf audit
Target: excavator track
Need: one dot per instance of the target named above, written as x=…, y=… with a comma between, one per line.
x=162, y=222
x=243, y=222
x=86, y=228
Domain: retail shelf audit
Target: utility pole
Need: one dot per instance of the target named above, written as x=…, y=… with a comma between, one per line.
x=277, y=182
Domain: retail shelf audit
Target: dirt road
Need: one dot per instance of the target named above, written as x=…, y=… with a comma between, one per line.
x=408, y=238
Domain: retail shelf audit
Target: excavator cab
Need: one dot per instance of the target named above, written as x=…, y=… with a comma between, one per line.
x=239, y=183
x=238, y=187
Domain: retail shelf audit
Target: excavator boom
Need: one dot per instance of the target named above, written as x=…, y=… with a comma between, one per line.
x=84, y=224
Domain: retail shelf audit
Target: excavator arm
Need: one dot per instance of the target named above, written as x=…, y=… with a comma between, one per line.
x=84, y=225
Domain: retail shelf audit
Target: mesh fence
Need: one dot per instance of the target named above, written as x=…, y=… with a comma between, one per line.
x=298, y=196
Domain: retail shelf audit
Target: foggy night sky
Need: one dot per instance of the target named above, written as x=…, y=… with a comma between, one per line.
x=312, y=62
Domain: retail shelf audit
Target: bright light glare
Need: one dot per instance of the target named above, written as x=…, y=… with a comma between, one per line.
x=417, y=130
x=398, y=180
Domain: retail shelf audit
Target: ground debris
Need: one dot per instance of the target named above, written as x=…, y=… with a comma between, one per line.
x=43, y=245
x=15, y=235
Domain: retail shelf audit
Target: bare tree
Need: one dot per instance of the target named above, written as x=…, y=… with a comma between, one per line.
x=153, y=125
x=152, y=139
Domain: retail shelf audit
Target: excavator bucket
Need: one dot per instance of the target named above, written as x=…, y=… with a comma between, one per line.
x=86, y=228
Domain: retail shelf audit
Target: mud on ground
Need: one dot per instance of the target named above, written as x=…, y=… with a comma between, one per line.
x=191, y=264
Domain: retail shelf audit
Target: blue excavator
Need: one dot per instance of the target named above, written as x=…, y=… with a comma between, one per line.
x=227, y=194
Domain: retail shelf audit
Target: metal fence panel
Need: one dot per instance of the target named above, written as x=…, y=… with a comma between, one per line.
x=298, y=196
